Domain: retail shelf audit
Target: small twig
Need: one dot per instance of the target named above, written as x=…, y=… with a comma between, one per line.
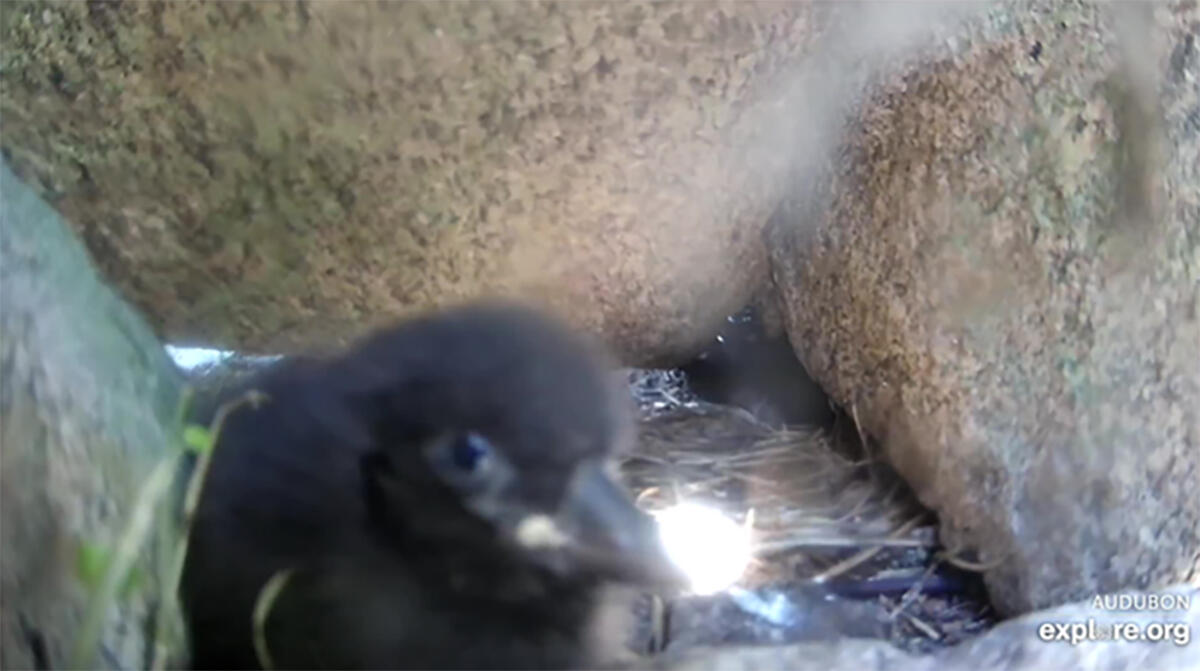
x=768, y=483
x=638, y=456
x=675, y=402
x=165, y=628
x=858, y=507
x=132, y=537
x=254, y=398
x=875, y=544
x=191, y=500
x=658, y=624
x=976, y=567
x=862, y=437
x=860, y=557
x=645, y=494
x=267, y=597
x=915, y=591
x=926, y=629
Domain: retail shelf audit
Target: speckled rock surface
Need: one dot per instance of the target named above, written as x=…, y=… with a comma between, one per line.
x=1016, y=645
x=85, y=395
x=270, y=176
x=1001, y=279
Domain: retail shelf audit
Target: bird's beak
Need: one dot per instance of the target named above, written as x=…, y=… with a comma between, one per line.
x=604, y=533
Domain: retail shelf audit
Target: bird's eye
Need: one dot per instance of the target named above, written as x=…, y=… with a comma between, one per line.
x=467, y=461
x=469, y=451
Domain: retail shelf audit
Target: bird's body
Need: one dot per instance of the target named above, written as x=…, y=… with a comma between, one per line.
x=389, y=491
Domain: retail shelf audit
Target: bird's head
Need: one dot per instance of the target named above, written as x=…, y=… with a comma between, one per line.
x=495, y=428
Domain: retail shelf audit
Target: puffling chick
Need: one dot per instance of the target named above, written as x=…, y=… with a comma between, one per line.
x=438, y=496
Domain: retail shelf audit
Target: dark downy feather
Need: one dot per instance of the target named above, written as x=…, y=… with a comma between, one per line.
x=390, y=567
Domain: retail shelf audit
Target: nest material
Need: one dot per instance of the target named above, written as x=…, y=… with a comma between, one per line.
x=821, y=516
x=792, y=485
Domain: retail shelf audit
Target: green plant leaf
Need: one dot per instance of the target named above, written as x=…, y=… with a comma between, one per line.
x=91, y=562
x=197, y=439
x=133, y=581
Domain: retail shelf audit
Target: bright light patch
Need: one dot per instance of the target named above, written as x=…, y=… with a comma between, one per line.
x=539, y=531
x=711, y=549
x=193, y=357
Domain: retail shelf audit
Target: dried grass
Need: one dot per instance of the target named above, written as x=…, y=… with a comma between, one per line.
x=802, y=489
x=817, y=510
